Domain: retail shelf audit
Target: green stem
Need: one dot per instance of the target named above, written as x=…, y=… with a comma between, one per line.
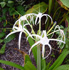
x=38, y=49
x=38, y=58
x=39, y=26
x=64, y=18
x=56, y=12
x=51, y=28
x=50, y=6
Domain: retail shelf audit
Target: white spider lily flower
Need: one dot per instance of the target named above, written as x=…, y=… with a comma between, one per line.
x=40, y=15
x=61, y=32
x=28, y=18
x=43, y=39
x=20, y=29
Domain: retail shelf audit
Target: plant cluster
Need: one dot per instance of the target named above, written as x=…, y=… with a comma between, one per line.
x=40, y=38
x=34, y=16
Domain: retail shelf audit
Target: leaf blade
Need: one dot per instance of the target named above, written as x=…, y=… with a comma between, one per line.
x=63, y=67
x=29, y=66
x=60, y=59
x=2, y=50
x=12, y=64
x=41, y=7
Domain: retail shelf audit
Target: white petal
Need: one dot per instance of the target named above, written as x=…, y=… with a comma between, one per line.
x=36, y=20
x=26, y=31
x=37, y=36
x=15, y=27
x=15, y=24
x=30, y=36
x=43, y=50
x=11, y=33
x=46, y=20
x=26, y=25
x=33, y=46
x=57, y=40
x=44, y=33
x=48, y=16
x=19, y=39
x=49, y=52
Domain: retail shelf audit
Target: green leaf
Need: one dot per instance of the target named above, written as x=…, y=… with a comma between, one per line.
x=59, y=60
x=12, y=11
x=43, y=64
x=34, y=50
x=2, y=50
x=63, y=67
x=65, y=2
x=48, y=65
x=10, y=4
x=11, y=37
x=1, y=40
x=4, y=24
x=41, y=7
x=20, y=9
x=29, y=66
x=12, y=64
x=10, y=1
x=2, y=34
x=1, y=68
x=27, y=58
x=4, y=10
x=3, y=17
x=3, y=4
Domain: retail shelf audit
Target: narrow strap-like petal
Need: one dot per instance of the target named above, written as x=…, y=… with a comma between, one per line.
x=49, y=52
x=19, y=39
x=11, y=33
x=14, y=24
x=37, y=36
x=57, y=40
x=43, y=50
x=33, y=46
x=25, y=30
x=48, y=16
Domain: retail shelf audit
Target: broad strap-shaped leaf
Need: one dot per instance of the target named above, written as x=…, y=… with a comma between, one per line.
x=29, y=66
x=1, y=68
x=12, y=64
x=11, y=37
x=2, y=34
x=34, y=50
x=63, y=67
x=1, y=40
x=64, y=4
x=41, y=7
x=59, y=60
x=2, y=50
x=48, y=65
x=43, y=64
x=27, y=58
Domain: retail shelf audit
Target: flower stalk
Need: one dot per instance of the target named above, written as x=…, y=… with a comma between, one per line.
x=38, y=58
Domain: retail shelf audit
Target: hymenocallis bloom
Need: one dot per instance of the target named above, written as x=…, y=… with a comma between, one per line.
x=44, y=40
x=40, y=16
x=18, y=27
